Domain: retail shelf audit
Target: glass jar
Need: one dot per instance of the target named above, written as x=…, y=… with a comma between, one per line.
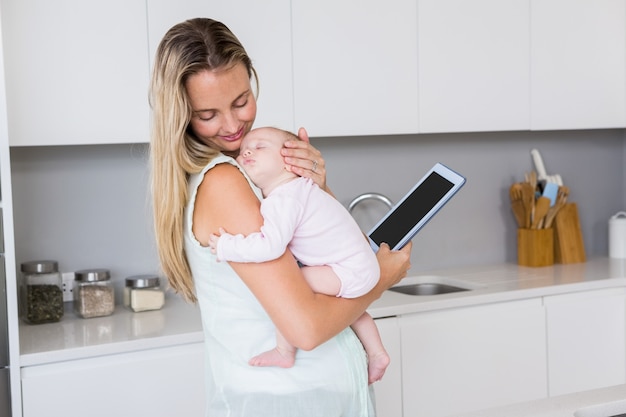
x=41, y=292
x=93, y=293
x=143, y=293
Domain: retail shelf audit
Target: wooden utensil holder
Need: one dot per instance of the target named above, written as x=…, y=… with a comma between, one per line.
x=535, y=247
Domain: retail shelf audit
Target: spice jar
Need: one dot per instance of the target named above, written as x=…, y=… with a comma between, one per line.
x=93, y=293
x=41, y=292
x=143, y=293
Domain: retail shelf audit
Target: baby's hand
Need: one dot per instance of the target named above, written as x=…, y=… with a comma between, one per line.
x=213, y=238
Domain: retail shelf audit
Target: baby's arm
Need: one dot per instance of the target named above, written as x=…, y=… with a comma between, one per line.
x=280, y=216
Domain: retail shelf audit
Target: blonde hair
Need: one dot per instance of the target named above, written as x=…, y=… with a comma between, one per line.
x=188, y=48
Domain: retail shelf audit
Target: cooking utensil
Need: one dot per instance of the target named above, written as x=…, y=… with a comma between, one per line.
x=517, y=204
x=541, y=169
x=528, y=198
x=561, y=200
x=542, y=205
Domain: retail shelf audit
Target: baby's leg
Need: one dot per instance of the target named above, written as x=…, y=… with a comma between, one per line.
x=283, y=355
x=377, y=357
x=322, y=279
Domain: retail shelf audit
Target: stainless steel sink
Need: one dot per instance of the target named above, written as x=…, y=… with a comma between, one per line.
x=427, y=289
x=432, y=285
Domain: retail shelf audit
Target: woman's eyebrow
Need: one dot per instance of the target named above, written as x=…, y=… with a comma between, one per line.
x=236, y=98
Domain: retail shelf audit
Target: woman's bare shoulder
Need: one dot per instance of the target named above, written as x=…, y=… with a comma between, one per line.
x=225, y=199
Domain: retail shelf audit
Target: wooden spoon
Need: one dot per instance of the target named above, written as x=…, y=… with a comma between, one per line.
x=541, y=209
x=561, y=200
x=528, y=193
x=517, y=204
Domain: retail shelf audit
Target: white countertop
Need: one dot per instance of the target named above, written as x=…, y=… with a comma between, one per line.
x=603, y=402
x=179, y=322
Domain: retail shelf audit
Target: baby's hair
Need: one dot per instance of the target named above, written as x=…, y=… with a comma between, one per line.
x=289, y=135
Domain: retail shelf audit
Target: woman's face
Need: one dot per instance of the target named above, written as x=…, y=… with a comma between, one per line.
x=223, y=107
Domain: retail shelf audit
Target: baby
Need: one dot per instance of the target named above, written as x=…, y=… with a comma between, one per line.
x=317, y=229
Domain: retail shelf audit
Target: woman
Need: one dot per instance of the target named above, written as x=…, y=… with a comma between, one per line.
x=203, y=105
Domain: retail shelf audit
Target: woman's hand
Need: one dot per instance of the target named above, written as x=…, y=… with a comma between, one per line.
x=394, y=265
x=304, y=160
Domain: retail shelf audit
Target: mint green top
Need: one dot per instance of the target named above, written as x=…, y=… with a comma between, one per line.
x=329, y=381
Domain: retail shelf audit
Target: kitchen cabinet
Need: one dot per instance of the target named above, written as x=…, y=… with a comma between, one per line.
x=158, y=382
x=268, y=45
x=473, y=65
x=578, y=64
x=471, y=358
x=10, y=404
x=586, y=340
x=388, y=391
x=355, y=67
x=76, y=71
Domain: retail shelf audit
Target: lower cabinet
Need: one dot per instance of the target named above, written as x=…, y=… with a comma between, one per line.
x=388, y=391
x=467, y=359
x=161, y=382
x=586, y=340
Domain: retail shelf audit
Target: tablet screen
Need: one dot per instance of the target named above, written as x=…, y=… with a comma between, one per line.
x=412, y=210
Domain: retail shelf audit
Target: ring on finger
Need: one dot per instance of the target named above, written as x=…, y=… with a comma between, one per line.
x=314, y=166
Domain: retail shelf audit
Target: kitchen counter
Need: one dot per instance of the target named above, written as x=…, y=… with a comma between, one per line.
x=179, y=323
x=611, y=399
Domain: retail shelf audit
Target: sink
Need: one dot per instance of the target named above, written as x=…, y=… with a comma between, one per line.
x=431, y=285
x=427, y=288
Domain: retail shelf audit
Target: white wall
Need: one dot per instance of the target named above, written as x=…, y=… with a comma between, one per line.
x=88, y=206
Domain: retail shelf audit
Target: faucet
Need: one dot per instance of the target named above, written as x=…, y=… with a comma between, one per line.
x=369, y=196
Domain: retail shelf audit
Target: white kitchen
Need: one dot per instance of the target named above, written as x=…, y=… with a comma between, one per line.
x=385, y=90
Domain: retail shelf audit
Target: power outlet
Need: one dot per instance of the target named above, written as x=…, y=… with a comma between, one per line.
x=68, y=286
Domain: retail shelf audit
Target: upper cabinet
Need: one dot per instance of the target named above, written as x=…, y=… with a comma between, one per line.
x=473, y=65
x=578, y=64
x=267, y=44
x=77, y=71
x=355, y=66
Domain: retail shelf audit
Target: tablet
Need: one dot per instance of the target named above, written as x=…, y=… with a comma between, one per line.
x=416, y=208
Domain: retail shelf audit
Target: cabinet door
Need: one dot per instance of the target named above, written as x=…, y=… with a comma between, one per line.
x=76, y=71
x=388, y=391
x=586, y=340
x=578, y=71
x=355, y=66
x=473, y=65
x=468, y=359
x=267, y=41
x=157, y=383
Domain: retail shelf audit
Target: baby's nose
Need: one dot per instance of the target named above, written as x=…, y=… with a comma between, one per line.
x=247, y=152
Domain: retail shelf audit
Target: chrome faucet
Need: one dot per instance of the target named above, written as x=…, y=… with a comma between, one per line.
x=369, y=196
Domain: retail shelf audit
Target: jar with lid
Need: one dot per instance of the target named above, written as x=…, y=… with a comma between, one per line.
x=143, y=293
x=41, y=292
x=93, y=293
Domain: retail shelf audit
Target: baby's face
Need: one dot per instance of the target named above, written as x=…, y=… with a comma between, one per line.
x=260, y=155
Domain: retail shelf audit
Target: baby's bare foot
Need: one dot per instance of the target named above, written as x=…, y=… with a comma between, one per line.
x=274, y=357
x=376, y=366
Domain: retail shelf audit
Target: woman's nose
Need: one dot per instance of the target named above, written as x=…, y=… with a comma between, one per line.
x=231, y=123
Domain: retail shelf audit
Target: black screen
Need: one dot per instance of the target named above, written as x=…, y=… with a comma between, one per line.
x=412, y=210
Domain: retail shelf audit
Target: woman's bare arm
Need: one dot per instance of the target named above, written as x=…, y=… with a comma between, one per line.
x=305, y=318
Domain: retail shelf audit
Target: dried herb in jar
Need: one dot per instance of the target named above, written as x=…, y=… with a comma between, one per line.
x=44, y=304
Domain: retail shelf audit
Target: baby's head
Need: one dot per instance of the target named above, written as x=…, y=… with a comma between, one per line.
x=260, y=157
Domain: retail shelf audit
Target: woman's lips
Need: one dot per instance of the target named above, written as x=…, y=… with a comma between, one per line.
x=233, y=138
